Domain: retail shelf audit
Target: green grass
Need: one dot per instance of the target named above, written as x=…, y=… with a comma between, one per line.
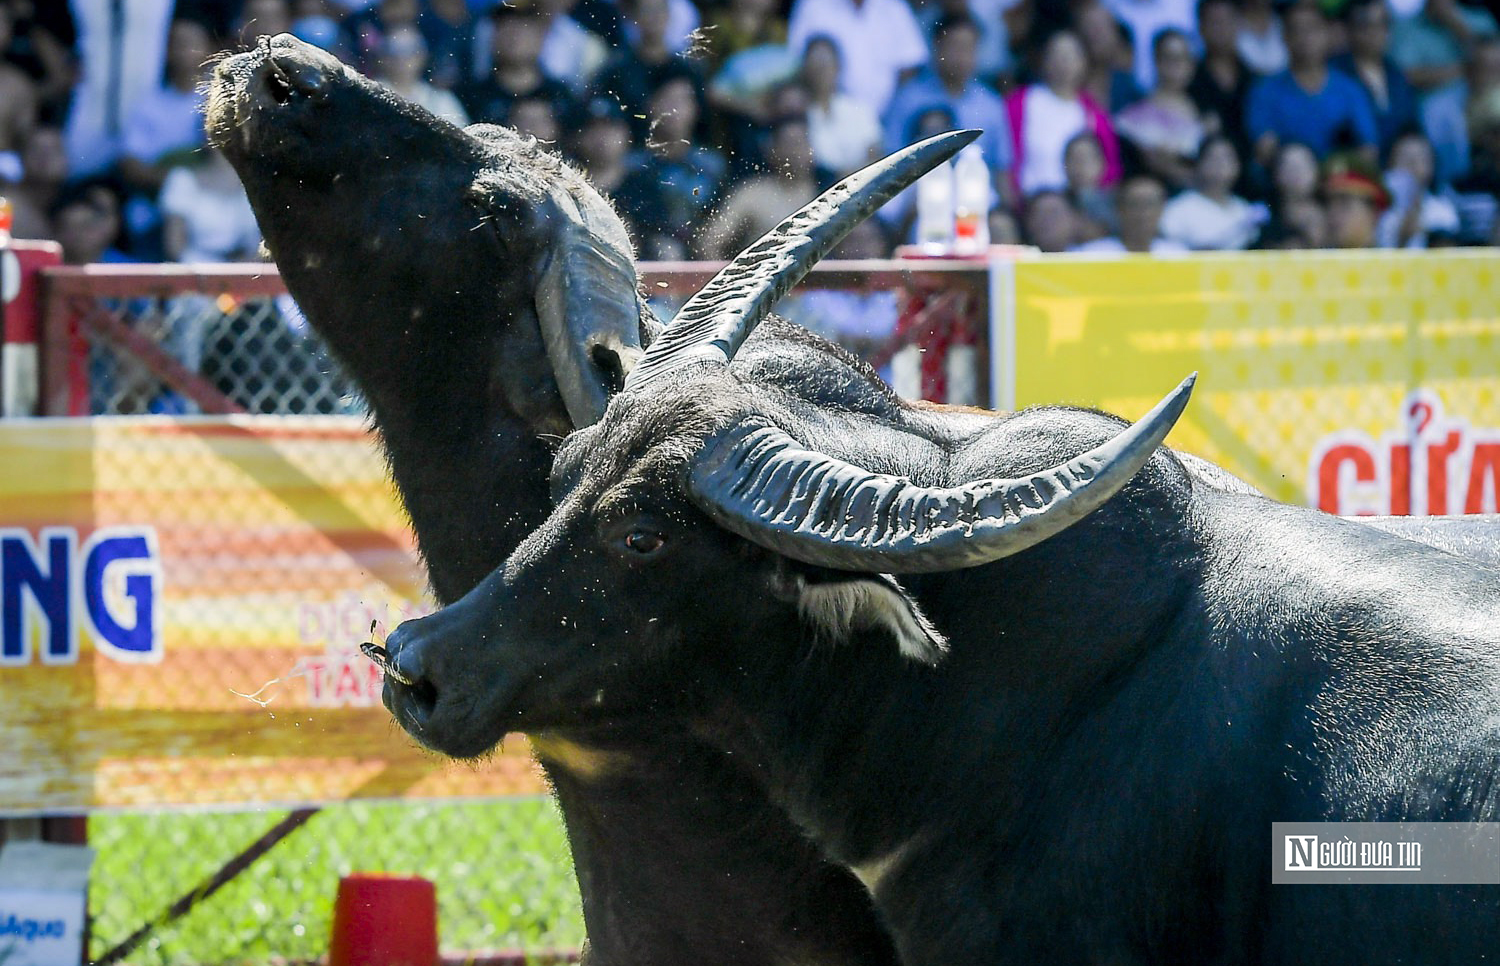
x=503, y=878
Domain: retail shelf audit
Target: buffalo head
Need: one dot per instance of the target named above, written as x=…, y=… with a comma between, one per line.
x=708, y=523
x=473, y=246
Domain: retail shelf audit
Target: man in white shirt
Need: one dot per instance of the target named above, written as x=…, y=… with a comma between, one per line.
x=880, y=41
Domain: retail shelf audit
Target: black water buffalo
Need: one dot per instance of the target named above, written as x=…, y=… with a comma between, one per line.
x=484, y=297
x=1041, y=684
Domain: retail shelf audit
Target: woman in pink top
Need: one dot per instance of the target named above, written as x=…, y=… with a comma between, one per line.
x=1044, y=117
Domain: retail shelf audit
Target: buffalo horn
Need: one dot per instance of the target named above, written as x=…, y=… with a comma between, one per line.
x=588, y=305
x=712, y=325
x=758, y=482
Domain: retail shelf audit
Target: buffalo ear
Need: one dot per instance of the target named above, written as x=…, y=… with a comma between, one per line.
x=585, y=291
x=835, y=604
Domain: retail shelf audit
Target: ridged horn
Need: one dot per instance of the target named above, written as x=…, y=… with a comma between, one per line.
x=588, y=304
x=714, y=323
x=757, y=481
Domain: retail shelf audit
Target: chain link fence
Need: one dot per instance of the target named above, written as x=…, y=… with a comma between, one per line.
x=258, y=353
x=150, y=342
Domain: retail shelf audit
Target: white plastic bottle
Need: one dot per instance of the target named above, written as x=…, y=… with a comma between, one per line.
x=935, y=210
x=971, y=209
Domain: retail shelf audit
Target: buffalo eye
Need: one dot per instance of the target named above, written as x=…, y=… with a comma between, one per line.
x=644, y=542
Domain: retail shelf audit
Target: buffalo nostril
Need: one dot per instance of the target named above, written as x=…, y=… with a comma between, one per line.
x=278, y=84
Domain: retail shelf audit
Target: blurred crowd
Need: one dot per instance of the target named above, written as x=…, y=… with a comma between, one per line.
x=1110, y=125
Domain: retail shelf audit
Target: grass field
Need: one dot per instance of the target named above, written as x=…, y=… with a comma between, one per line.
x=501, y=868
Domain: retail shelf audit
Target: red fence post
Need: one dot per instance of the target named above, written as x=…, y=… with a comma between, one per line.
x=19, y=367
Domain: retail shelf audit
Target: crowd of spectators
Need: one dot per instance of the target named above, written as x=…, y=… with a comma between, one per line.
x=1110, y=125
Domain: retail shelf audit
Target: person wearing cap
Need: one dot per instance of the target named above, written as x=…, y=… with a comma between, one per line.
x=601, y=148
x=1354, y=199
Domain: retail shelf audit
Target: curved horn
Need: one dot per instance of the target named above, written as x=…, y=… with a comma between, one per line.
x=712, y=325
x=588, y=304
x=758, y=482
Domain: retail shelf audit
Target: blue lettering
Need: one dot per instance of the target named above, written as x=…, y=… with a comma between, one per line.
x=21, y=570
x=132, y=555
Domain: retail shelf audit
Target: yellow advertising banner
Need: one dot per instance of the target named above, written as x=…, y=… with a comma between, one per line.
x=1361, y=383
x=181, y=604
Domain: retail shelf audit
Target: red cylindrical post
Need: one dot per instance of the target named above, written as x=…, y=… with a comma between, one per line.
x=384, y=920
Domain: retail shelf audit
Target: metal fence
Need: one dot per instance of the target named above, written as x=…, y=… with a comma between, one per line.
x=121, y=340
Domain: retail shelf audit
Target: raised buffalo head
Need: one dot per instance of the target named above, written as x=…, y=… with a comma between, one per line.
x=709, y=524
x=473, y=246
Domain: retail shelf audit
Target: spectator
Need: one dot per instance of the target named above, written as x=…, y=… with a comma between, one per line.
x=759, y=204
x=570, y=53
x=1043, y=117
x=1093, y=201
x=950, y=82
x=365, y=30
x=1367, y=61
x=1221, y=83
x=1138, y=208
x=681, y=23
x=313, y=24
x=881, y=42
x=517, y=71
x=992, y=59
x=44, y=170
x=262, y=18
x=448, y=28
x=748, y=59
x=1210, y=216
x=1355, y=199
x=207, y=217
x=672, y=184
x=1417, y=217
x=844, y=131
x=1049, y=221
x=1147, y=18
x=86, y=222
x=18, y=105
x=534, y=116
x=167, y=123
x=1308, y=102
x=40, y=46
x=1446, y=113
x=1260, y=41
x=633, y=73
x=399, y=65
x=1164, y=129
x=602, y=144
x=1430, y=47
x=1477, y=191
x=123, y=46
x=861, y=320
x=738, y=26
x=1294, y=192
x=1110, y=80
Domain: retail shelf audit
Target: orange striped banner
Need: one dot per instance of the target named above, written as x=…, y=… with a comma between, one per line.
x=181, y=604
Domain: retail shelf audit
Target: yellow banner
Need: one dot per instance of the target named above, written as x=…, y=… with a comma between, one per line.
x=181, y=604
x=1361, y=383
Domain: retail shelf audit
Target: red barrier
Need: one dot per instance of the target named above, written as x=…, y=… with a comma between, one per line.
x=381, y=919
x=20, y=267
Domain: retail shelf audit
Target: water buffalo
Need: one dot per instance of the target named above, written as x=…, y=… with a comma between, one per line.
x=418, y=251
x=483, y=295
x=1040, y=684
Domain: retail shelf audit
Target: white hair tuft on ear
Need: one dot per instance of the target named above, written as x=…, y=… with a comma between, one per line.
x=871, y=601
